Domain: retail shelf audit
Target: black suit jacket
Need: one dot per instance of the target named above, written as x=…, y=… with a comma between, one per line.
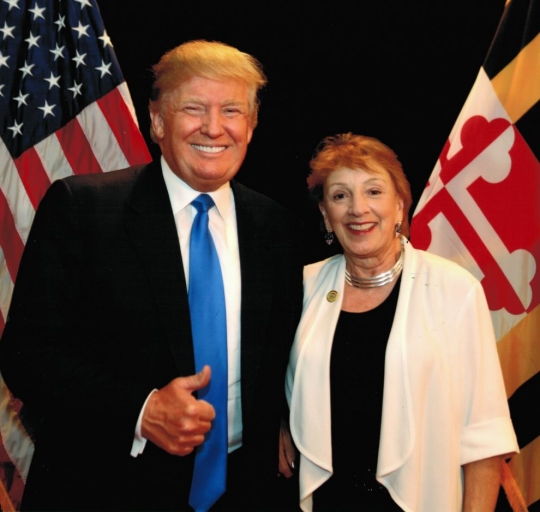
x=100, y=317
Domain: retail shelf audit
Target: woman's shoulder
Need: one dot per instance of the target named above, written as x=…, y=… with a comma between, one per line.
x=438, y=265
x=322, y=276
x=322, y=267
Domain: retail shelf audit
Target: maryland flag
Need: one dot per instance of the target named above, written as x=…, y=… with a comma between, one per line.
x=481, y=208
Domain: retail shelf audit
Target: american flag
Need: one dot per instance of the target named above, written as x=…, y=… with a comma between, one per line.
x=64, y=109
x=481, y=208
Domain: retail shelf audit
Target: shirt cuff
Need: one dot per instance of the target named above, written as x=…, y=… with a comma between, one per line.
x=139, y=442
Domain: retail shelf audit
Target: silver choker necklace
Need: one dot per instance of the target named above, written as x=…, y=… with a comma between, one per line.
x=376, y=281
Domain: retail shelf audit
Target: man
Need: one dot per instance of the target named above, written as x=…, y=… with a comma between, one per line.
x=99, y=342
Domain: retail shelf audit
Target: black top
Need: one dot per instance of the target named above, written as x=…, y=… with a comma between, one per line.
x=356, y=387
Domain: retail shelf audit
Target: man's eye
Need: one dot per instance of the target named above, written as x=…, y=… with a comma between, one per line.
x=192, y=109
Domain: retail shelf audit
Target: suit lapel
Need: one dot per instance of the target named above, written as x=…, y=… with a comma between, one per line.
x=151, y=227
x=254, y=271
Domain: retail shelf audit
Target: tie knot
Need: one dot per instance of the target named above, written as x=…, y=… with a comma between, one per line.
x=203, y=203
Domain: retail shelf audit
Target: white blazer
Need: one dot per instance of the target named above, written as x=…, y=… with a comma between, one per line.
x=444, y=401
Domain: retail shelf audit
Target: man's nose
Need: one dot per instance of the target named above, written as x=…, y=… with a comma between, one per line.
x=212, y=124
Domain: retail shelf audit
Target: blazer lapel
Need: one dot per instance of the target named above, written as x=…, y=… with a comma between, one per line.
x=150, y=224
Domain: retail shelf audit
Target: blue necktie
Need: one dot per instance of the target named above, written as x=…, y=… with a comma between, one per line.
x=208, y=326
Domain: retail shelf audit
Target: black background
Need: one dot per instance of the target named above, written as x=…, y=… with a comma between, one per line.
x=399, y=71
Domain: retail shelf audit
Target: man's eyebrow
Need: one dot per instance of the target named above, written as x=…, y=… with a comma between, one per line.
x=234, y=102
x=190, y=100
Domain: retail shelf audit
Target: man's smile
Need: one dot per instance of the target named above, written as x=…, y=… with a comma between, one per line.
x=209, y=149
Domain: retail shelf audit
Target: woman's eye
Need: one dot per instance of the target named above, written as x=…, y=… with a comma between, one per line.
x=339, y=196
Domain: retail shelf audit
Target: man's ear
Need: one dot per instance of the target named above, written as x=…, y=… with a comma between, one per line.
x=156, y=121
x=251, y=128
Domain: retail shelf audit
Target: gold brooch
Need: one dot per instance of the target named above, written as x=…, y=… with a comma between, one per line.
x=332, y=296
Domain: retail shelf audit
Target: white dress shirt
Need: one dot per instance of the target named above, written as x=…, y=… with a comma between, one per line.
x=222, y=224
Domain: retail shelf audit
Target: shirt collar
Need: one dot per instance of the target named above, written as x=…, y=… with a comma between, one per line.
x=181, y=194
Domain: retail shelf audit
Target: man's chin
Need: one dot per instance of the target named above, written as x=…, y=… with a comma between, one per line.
x=210, y=181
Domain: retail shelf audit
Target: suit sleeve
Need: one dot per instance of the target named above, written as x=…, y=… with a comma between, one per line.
x=48, y=356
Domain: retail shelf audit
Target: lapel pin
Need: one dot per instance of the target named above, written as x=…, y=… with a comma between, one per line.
x=332, y=296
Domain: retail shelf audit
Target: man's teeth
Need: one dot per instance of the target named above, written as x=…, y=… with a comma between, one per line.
x=209, y=149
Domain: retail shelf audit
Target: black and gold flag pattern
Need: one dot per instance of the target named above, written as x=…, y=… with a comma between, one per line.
x=481, y=208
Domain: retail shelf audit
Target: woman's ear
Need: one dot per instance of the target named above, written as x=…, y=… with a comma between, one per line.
x=400, y=206
x=325, y=217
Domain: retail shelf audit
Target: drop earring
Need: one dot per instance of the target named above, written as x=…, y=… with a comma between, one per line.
x=329, y=237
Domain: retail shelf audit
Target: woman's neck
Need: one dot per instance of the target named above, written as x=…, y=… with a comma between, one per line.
x=373, y=266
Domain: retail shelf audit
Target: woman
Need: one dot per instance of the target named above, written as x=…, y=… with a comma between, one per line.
x=394, y=381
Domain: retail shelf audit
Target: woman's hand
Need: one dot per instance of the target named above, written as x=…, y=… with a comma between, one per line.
x=287, y=451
